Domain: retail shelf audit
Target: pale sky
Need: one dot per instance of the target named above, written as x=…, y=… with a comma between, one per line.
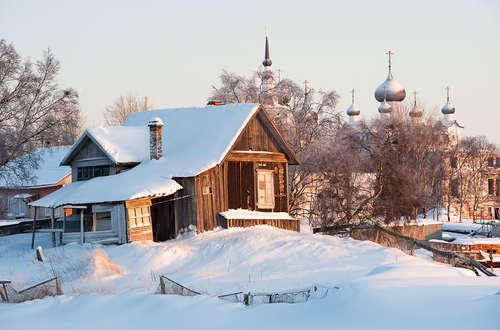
x=173, y=51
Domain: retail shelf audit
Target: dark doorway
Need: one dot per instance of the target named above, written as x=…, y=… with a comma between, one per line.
x=163, y=218
x=240, y=185
x=497, y=213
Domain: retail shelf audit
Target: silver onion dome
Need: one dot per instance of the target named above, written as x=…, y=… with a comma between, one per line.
x=353, y=110
x=394, y=90
x=384, y=107
x=448, y=108
x=416, y=111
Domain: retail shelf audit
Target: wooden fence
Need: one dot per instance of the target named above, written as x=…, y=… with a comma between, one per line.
x=374, y=232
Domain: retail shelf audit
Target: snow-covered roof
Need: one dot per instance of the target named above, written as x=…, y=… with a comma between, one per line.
x=48, y=172
x=122, y=144
x=144, y=180
x=193, y=140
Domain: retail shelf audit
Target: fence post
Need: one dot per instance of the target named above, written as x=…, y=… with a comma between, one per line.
x=162, y=285
x=59, y=290
x=246, y=299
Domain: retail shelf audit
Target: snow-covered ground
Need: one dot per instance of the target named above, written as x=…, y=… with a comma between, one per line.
x=112, y=287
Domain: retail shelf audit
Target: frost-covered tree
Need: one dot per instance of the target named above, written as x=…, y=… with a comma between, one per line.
x=34, y=110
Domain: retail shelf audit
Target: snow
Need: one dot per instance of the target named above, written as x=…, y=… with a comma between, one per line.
x=48, y=172
x=146, y=179
x=112, y=287
x=120, y=144
x=247, y=214
x=193, y=140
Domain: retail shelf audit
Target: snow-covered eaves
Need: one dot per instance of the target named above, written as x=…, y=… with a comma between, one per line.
x=122, y=145
x=144, y=180
x=257, y=215
x=48, y=173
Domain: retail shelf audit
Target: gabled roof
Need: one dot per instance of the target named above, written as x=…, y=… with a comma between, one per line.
x=122, y=145
x=48, y=172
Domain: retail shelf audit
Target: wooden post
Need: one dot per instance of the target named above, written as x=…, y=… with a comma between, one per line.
x=95, y=222
x=64, y=220
x=82, y=235
x=52, y=225
x=33, y=230
x=162, y=285
x=59, y=290
x=3, y=293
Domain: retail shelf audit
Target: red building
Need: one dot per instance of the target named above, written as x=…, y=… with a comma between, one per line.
x=16, y=193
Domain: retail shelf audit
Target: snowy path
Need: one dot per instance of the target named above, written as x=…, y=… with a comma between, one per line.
x=380, y=288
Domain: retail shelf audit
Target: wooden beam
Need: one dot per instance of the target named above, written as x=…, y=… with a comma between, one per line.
x=33, y=230
x=52, y=226
x=251, y=156
x=140, y=202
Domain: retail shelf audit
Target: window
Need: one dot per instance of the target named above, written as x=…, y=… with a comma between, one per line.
x=454, y=188
x=11, y=207
x=490, y=162
x=491, y=189
x=139, y=216
x=89, y=172
x=207, y=190
x=498, y=162
x=265, y=189
x=453, y=162
x=102, y=221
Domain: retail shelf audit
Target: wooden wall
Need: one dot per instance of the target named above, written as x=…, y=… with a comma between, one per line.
x=209, y=192
x=257, y=137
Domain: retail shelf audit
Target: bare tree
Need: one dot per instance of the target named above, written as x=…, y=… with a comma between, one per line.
x=34, y=111
x=116, y=113
x=476, y=151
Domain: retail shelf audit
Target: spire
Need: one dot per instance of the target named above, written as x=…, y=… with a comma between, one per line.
x=353, y=110
x=267, y=59
x=389, y=53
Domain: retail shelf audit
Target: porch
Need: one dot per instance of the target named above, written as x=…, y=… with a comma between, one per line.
x=246, y=218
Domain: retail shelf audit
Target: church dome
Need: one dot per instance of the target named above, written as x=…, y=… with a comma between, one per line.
x=353, y=110
x=416, y=111
x=394, y=90
x=448, y=108
x=384, y=107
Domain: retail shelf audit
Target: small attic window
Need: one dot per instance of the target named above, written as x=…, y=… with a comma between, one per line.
x=207, y=190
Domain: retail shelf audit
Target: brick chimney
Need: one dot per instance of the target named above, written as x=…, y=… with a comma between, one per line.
x=155, y=150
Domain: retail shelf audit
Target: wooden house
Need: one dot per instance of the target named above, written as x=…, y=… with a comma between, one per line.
x=167, y=171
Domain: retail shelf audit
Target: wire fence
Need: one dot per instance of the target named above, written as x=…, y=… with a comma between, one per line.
x=169, y=286
x=49, y=287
